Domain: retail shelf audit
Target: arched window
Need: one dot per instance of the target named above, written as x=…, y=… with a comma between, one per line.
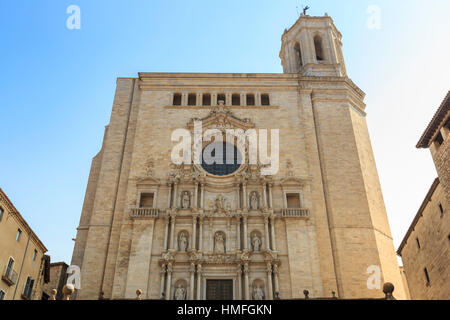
x=206, y=99
x=250, y=99
x=298, y=55
x=319, y=48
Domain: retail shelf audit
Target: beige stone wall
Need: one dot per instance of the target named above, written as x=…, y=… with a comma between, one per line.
x=21, y=251
x=432, y=230
x=325, y=156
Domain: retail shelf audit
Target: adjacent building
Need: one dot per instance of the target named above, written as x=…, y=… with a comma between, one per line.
x=425, y=249
x=58, y=278
x=22, y=256
x=228, y=230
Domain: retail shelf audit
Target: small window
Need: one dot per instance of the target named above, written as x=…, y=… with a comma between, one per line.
x=146, y=200
x=28, y=290
x=221, y=97
x=418, y=243
x=298, y=55
x=319, y=48
x=1, y=213
x=441, y=209
x=2, y=295
x=439, y=139
x=250, y=99
x=206, y=99
x=9, y=268
x=192, y=99
x=293, y=200
x=177, y=99
x=265, y=101
x=427, y=276
x=236, y=99
x=19, y=233
x=35, y=255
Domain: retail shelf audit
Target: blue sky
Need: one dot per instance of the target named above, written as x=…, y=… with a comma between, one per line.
x=57, y=85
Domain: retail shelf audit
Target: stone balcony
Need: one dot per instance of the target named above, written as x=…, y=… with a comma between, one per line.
x=295, y=213
x=10, y=277
x=144, y=213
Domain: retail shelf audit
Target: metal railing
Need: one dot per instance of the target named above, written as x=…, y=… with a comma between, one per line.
x=144, y=213
x=295, y=213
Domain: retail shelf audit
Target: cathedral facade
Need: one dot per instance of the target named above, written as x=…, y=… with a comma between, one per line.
x=199, y=231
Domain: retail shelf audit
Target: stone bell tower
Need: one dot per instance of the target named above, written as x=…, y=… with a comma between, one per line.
x=313, y=47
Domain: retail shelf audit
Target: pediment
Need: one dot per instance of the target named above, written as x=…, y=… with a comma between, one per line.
x=148, y=181
x=221, y=118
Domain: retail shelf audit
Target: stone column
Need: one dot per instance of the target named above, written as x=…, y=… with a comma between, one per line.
x=245, y=235
x=192, y=283
x=169, y=200
x=195, y=202
x=199, y=282
x=246, y=284
x=166, y=233
x=175, y=196
x=272, y=232
x=270, y=196
x=269, y=281
x=194, y=233
x=200, y=235
x=266, y=231
x=275, y=275
x=172, y=232
x=169, y=281
x=202, y=195
x=244, y=195
x=264, y=195
x=239, y=282
x=163, y=278
x=238, y=233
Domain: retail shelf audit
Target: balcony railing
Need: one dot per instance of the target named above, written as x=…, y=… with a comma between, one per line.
x=295, y=213
x=10, y=277
x=144, y=213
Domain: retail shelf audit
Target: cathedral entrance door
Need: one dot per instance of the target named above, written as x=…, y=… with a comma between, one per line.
x=219, y=289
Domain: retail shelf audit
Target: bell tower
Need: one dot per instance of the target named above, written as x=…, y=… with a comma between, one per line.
x=313, y=47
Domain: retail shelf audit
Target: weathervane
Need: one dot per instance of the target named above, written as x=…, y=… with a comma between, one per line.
x=306, y=9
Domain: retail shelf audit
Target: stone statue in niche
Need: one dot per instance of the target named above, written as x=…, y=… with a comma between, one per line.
x=220, y=205
x=256, y=243
x=186, y=200
x=180, y=293
x=254, y=200
x=258, y=293
x=183, y=242
x=219, y=246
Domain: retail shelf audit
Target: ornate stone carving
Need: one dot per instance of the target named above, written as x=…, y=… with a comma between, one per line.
x=186, y=200
x=149, y=167
x=256, y=242
x=183, y=241
x=254, y=200
x=258, y=293
x=180, y=292
x=219, y=243
x=220, y=205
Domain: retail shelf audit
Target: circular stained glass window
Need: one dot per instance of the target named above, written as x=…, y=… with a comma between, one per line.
x=221, y=158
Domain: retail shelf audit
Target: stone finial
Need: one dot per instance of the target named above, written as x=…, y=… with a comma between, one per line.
x=306, y=293
x=101, y=296
x=333, y=293
x=67, y=291
x=388, y=289
x=138, y=294
x=53, y=294
x=277, y=296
